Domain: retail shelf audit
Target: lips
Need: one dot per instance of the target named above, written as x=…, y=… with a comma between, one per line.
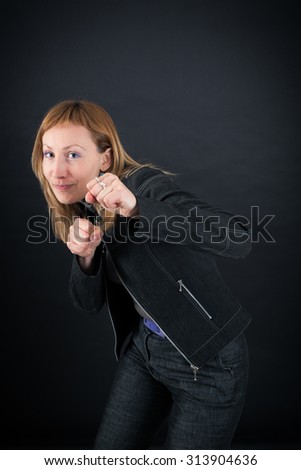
x=63, y=187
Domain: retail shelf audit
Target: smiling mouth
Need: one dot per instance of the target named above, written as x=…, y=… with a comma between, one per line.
x=63, y=187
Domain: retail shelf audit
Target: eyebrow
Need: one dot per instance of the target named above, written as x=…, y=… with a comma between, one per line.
x=68, y=146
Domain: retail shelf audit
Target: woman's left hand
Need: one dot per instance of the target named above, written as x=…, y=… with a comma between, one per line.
x=113, y=195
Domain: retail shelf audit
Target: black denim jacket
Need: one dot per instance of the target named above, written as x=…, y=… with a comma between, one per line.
x=166, y=260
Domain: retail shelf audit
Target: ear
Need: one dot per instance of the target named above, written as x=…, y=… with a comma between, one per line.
x=106, y=160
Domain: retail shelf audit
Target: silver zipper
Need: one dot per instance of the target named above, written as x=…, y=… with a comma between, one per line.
x=194, y=370
x=193, y=366
x=182, y=286
x=104, y=248
x=111, y=318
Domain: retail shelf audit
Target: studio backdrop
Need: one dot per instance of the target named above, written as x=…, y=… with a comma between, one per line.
x=208, y=90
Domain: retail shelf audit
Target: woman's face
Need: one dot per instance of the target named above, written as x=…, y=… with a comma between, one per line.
x=71, y=160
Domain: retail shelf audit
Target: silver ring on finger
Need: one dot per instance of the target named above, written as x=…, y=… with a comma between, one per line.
x=100, y=182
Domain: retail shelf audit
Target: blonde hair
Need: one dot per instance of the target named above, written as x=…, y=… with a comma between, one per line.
x=104, y=134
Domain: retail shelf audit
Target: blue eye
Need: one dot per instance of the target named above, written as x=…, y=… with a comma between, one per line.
x=47, y=154
x=73, y=155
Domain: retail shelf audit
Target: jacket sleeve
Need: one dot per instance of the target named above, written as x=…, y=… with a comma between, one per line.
x=168, y=213
x=87, y=291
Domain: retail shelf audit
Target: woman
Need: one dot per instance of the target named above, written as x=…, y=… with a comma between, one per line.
x=148, y=249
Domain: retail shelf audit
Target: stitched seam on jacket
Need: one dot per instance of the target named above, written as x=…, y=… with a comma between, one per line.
x=219, y=331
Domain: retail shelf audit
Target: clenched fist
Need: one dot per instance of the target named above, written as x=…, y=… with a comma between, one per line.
x=112, y=194
x=83, y=239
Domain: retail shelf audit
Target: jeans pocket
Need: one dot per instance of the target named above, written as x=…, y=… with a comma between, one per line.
x=225, y=365
x=233, y=354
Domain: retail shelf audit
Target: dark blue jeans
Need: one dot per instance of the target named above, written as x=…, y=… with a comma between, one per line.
x=153, y=383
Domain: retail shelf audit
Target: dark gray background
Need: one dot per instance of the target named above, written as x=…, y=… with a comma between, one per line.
x=208, y=89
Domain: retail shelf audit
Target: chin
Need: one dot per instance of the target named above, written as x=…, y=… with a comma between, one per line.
x=67, y=199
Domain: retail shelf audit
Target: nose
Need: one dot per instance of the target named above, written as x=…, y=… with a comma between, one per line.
x=59, y=169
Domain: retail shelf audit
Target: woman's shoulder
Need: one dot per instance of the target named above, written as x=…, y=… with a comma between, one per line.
x=142, y=175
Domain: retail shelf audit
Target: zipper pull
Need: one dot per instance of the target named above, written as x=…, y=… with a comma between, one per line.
x=180, y=284
x=195, y=370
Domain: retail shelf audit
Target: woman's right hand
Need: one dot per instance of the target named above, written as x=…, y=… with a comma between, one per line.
x=83, y=239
